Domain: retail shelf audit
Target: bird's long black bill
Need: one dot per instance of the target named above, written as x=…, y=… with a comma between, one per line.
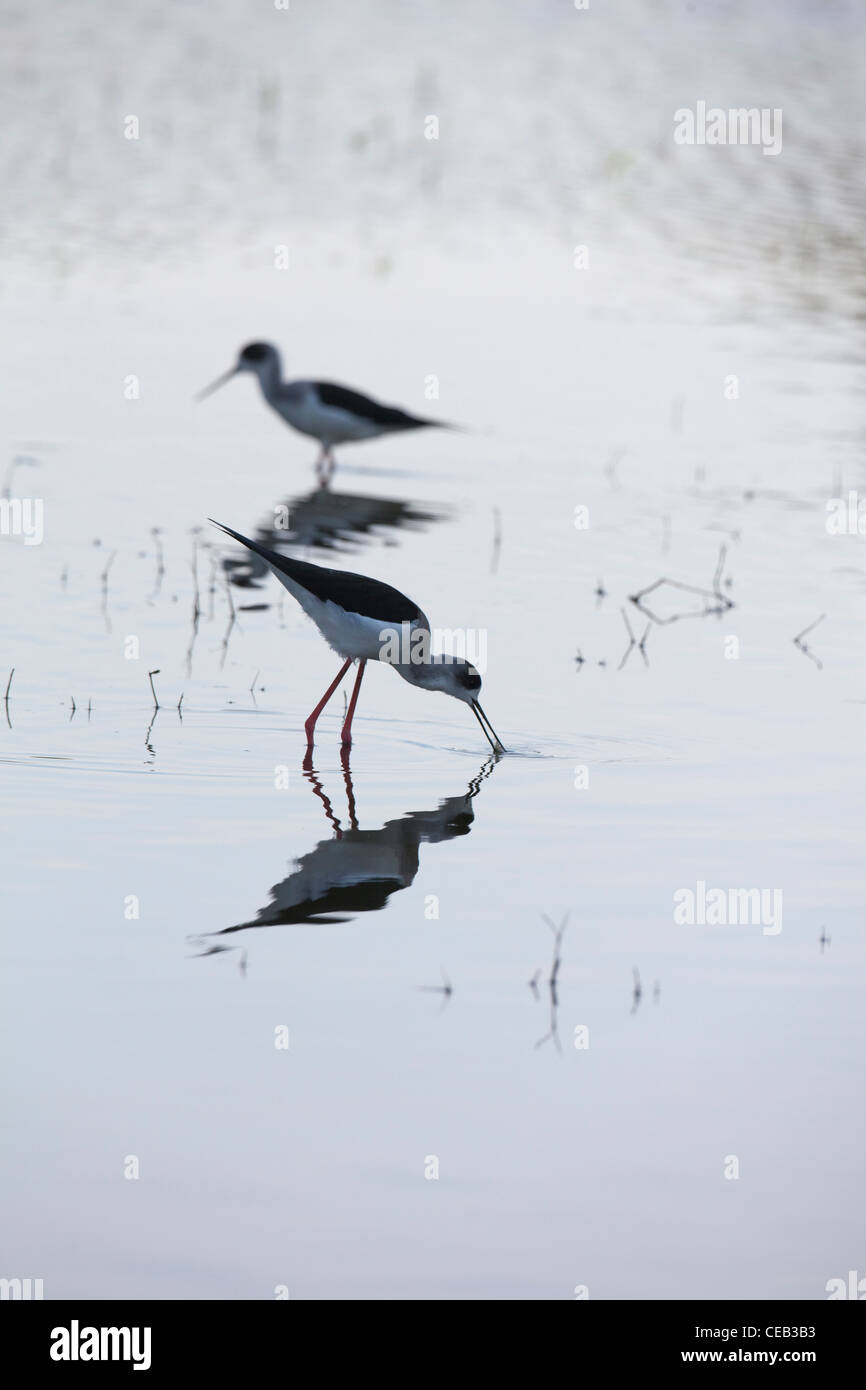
x=215, y=385
x=495, y=742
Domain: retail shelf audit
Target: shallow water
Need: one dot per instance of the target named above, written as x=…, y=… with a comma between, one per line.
x=390, y=914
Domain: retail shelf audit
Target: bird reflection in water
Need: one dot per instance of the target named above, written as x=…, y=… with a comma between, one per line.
x=357, y=870
x=329, y=521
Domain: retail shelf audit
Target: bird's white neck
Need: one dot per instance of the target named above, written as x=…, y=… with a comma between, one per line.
x=428, y=675
x=270, y=374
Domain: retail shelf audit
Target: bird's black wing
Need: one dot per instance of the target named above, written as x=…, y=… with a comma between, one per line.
x=353, y=592
x=389, y=416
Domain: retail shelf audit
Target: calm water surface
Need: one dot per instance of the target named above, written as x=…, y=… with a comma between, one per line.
x=182, y=897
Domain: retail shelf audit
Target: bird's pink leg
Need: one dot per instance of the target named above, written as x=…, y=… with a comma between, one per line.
x=311, y=722
x=347, y=727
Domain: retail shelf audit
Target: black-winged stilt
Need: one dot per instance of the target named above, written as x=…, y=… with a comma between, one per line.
x=365, y=620
x=330, y=413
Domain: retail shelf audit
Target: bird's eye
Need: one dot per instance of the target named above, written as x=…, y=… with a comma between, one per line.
x=254, y=352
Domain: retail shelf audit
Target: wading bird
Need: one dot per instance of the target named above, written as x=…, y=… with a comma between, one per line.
x=330, y=413
x=364, y=620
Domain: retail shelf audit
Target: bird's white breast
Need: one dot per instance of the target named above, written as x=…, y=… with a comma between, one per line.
x=349, y=634
x=304, y=411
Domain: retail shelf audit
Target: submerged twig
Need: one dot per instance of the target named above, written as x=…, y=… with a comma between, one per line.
x=497, y=540
x=160, y=565
x=558, y=933
x=211, y=584
x=721, y=603
x=637, y=992
x=446, y=989
x=109, y=562
x=196, y=607
x=631, y=639
x=14, y=463
x=614, y=459
x=147, y=743
x=806, y=650
x=232, y=620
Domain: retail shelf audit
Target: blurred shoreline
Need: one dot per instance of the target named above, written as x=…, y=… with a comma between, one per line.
x=157, y=152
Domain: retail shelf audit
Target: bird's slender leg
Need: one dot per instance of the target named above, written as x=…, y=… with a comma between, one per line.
x=310, y=724
x=325, y=465
x=347, y=727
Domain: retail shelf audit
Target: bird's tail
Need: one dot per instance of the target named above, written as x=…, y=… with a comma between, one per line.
x=283, y=563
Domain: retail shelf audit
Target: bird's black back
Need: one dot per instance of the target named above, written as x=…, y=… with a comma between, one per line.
x=342, y=398
x=353, y=592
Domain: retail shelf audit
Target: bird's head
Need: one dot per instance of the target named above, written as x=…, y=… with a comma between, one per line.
x=454, y=676
x=256, y=356
x=261, y=358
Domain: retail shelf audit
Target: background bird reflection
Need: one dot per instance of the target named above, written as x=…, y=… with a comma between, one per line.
x=327, y=520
